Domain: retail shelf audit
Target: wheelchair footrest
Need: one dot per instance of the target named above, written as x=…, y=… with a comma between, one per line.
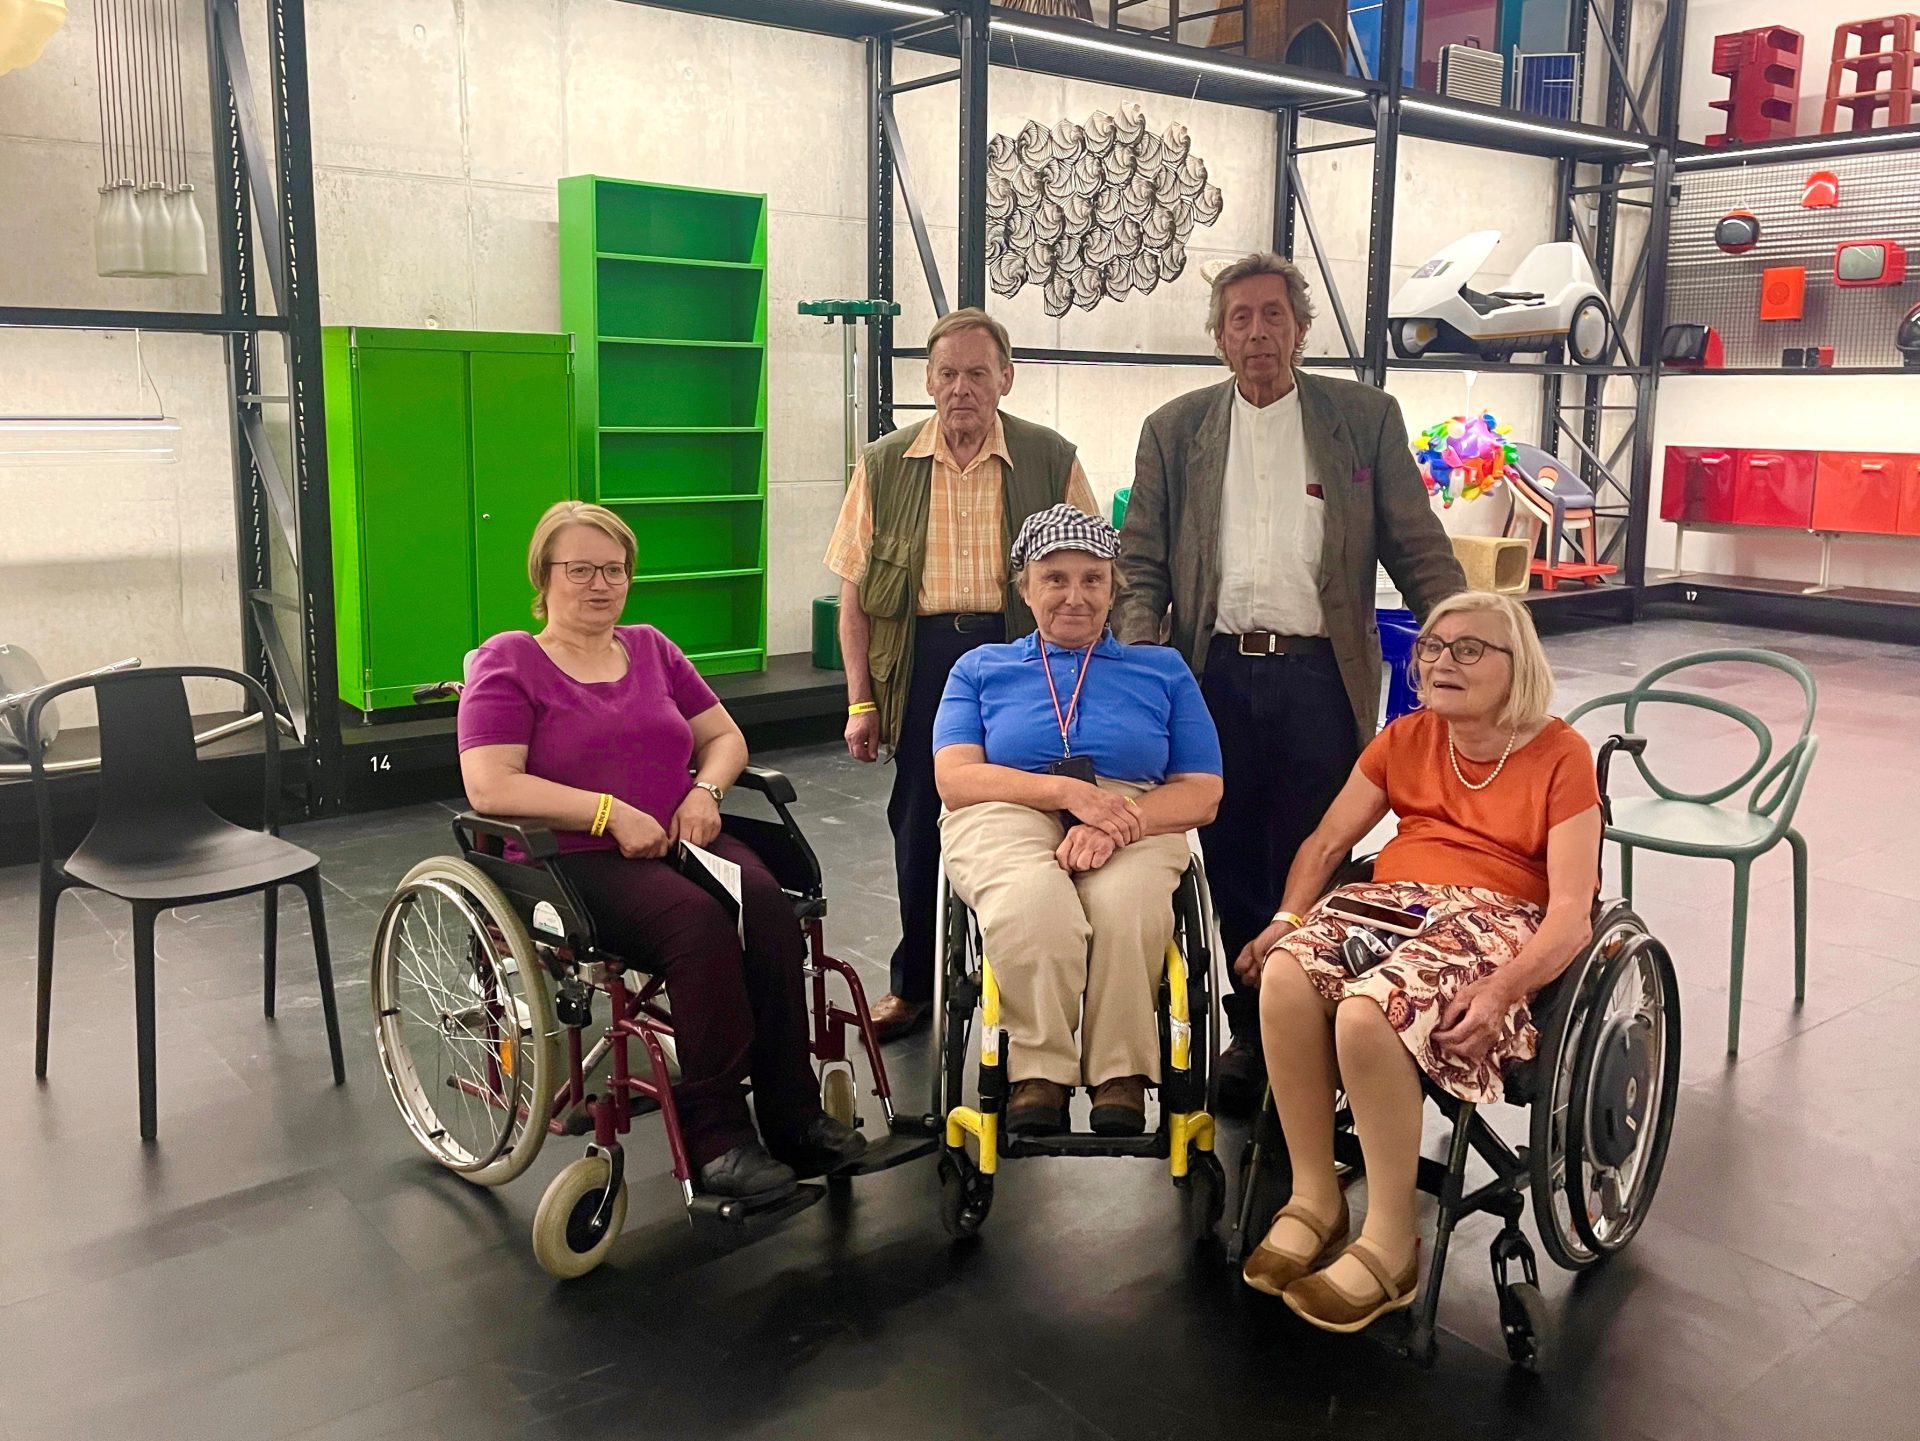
x=1152, y=1145
x=895, y=1150
x=727, y=1216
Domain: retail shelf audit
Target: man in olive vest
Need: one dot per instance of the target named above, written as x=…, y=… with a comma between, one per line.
x=921, y=552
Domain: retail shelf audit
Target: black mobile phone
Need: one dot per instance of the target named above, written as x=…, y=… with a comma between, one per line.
x=1081, y=769
x=1362, y=950
x=1382, y=918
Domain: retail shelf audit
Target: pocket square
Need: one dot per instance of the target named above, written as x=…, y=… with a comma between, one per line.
x=1363, y=475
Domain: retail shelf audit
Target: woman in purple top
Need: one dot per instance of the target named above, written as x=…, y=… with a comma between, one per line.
x=606, y=733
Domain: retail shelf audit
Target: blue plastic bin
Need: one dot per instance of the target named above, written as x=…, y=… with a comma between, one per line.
x=1398, y=631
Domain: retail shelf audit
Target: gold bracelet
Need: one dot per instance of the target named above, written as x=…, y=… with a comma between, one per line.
x=602, y=814
x=862, y=707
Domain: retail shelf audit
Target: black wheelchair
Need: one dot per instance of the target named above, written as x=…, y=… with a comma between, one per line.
x=975, y=1143
x=1601, y=1092
x=486, y=976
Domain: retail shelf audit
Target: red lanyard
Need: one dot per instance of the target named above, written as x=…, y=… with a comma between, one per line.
x=1065, y=722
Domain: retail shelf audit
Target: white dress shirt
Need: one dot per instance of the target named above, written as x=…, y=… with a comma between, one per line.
x=1270, y=525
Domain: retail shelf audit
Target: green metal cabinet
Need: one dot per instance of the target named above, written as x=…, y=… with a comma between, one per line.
x=443, y=449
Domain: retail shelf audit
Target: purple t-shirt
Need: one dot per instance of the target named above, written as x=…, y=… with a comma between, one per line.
x=628, y=737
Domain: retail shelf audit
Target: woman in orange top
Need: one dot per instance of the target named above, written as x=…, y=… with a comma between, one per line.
x=1498, y=845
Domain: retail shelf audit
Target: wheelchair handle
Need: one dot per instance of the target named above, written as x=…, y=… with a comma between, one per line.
x=439, y=690
x=1633, y=745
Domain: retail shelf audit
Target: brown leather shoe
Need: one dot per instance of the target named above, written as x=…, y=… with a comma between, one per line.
x=894, y=1017
x=1037, y=1108
x=1272, y=1270
x=1120, y=1107
x=1315, y=1300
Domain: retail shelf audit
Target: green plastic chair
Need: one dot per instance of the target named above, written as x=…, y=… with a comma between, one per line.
x=1714, y=823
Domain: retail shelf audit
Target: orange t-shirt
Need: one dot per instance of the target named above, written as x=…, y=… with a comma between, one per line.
x=1494, y=838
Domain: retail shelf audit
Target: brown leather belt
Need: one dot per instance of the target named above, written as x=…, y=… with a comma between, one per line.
x=1266, y=642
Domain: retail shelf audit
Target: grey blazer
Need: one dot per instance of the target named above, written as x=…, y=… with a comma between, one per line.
x=1376, y=512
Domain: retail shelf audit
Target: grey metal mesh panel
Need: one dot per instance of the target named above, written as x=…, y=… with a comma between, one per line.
x=1879, y=200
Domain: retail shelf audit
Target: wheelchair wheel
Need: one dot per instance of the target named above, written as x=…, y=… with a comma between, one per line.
x=1611, y=1078
x=1204, y=1190
x=962, y=997
x=576, y=1224
x=1524, y=1323
x=464, y=1022
x=966, y=1195
x=836, y=1095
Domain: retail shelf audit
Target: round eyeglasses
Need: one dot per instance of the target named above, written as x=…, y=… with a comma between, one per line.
x=1467, y=649
x=582, y=572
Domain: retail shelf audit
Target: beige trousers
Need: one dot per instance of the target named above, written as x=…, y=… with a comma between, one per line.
x=1071, y=952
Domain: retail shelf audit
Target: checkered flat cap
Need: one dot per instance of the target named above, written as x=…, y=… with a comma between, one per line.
x=1064, y=528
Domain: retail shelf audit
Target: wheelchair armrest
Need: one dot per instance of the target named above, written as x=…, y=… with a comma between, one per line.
x=535, y=839
x=772, y=784
x=1356, y=871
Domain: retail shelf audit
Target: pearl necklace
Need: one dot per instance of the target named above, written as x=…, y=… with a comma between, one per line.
x=1454, y=756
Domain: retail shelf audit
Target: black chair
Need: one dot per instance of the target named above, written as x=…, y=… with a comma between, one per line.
x=156, y=844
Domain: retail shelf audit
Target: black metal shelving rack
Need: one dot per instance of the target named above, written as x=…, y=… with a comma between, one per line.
x=263, y=220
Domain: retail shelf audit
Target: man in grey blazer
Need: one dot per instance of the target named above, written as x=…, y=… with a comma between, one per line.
x=1261, y=509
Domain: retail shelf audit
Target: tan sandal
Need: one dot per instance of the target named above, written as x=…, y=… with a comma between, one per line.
x=1272, y=1270
x=1315, y=1300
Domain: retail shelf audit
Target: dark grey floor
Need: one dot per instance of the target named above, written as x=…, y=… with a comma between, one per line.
x=283, y=1263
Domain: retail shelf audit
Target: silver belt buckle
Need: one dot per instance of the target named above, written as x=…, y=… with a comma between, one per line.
x=1271, y=639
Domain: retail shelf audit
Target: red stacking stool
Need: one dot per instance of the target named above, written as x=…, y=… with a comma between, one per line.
x=1763, y=66
x=1877, y=76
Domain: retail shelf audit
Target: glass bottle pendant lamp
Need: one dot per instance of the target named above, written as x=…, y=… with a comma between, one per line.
x=189, y=232
x=117, y=249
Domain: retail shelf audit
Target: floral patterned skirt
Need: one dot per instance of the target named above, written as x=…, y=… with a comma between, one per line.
x=1469, y=933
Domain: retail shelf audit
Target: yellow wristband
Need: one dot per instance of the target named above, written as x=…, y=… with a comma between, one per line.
x=1290, y=918
x=862, y=707
x=602, y=814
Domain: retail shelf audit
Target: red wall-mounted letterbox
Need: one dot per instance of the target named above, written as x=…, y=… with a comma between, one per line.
x=1699, y=484
x=1774, y=487
x=1860, y=491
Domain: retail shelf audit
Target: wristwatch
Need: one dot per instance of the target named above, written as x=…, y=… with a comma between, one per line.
x=719, y=793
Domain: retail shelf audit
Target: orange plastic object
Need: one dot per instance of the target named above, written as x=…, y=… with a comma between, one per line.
x=1909, y=519
x=1783, y=292
x=1822, y=191
x=1859, y=491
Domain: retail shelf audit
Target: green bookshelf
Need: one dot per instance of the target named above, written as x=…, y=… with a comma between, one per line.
x=666, y=290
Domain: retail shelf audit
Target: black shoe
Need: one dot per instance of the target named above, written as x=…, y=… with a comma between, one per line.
x=824, y=1145
x=1238, y=1079
x=747, y=1172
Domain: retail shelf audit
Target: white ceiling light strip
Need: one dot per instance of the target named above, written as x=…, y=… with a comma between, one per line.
x=898, y=7
x=1505, y=122
x=1868, y=138
x=1176, y=62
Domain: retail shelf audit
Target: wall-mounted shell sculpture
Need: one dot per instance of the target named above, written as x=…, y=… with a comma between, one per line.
x=1093, y=211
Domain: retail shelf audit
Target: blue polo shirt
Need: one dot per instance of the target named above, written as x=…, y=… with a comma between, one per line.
x=1141, y=717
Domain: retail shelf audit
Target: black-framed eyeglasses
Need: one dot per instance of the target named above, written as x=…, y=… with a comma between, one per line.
x=1467, y=649
x=581, y=572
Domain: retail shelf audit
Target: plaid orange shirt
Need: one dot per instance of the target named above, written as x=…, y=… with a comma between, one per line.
x=966, y=565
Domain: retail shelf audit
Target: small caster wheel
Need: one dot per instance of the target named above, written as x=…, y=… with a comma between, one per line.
x=836, y=1096
x=1523, y=1320
x=1206, y=1196
x=965, y=1199
x=575, y=1226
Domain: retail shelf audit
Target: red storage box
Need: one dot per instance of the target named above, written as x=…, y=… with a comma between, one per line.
x=1774, y=487
x=1909, y=519
x=1699, y=484
x=1857, y=491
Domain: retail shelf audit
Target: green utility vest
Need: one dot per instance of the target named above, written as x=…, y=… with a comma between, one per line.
x=899, y=488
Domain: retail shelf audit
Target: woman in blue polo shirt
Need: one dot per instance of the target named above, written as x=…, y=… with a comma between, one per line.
x=1071, y=767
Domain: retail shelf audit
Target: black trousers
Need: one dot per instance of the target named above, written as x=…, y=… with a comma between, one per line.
x=1287, y=746
x=913, y=810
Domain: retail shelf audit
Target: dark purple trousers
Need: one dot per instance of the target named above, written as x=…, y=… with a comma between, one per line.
x=736, y=1013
